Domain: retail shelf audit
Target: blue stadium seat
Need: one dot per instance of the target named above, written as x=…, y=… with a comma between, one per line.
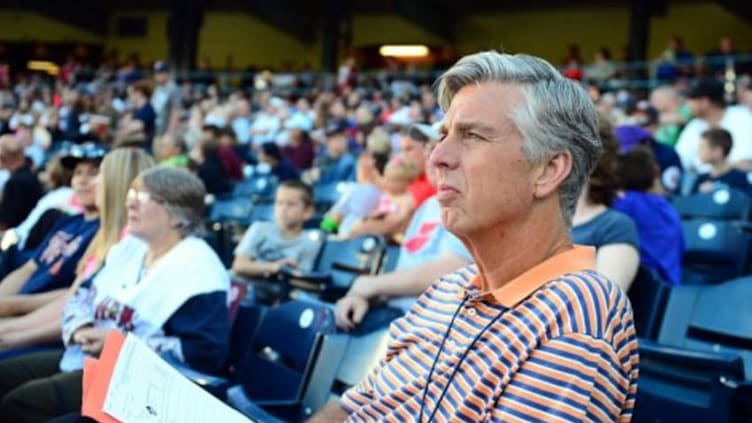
x=236, y=209
x=391, y=257
x=258, y=187
x=716, y=318
x=290, y=362
x=338, y=263
x=325, y=195
x=678, y=385
x=715, y=251
x=722, y=204
x=648, y=295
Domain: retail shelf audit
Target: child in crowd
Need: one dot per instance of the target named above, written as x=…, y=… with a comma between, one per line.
x=658, y=224
x=266, y=247
x=395, y=205
x=715, y=146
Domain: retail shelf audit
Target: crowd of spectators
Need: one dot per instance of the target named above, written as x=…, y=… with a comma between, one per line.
x=63, y=202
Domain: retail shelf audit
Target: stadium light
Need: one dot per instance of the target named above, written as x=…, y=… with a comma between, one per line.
x=43, y=65
x=404, y=50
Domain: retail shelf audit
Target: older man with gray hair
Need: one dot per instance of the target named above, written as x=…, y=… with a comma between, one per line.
x=530, y=332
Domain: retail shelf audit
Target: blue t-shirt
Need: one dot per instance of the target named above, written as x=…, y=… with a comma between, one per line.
x=734, y=178
x=609, y=227
x=660, y=230
x=337, y=170
x=58, y=255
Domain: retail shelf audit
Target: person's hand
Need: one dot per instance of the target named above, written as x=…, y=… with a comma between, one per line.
x=285, y=262
x=350, y=311
x=91, y=339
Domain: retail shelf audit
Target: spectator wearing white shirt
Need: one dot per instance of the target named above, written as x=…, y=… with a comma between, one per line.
x=706, y=99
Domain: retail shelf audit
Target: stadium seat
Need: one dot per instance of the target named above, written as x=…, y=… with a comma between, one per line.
x=678, y=385
x=391, y=257
x=258, y=187
x=338, y=264
x=715, y=251
x=289, y=366
x=722, y=204
x=648, y=295
x=325, y=195
x=716, y=318
x=237, y=209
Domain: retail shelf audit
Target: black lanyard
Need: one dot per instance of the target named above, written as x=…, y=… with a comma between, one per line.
x=457, y=366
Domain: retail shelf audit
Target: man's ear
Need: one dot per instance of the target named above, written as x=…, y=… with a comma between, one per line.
x=552, y=173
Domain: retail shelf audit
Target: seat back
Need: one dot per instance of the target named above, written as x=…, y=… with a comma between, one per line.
x=325, y=195
x=257, y=187
x=262, y=211
x=722, y=204
x=714, y=318
x=715, y=251
x=345, y=260
x=648, y=295
x=291, y=360
x=685, y=386
x=391, y=257
x=284, y=348
x=235, y=209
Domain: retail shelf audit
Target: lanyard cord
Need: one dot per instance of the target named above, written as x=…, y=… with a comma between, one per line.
x=457, y=366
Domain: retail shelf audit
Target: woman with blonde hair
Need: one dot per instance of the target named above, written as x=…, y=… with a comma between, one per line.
x=36, y=323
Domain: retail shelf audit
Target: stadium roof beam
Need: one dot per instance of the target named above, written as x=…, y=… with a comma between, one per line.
x=429, y=15
x=739, y=8
x=90, y=15
x=289, y=16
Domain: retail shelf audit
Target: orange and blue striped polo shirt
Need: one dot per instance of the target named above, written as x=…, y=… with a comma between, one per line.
x=563, y=348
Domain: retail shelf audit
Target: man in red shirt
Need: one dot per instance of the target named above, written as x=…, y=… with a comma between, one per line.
x=415, y=143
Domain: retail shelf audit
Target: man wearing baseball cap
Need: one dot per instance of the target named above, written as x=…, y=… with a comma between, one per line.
x=706, y=99
x=53, y=264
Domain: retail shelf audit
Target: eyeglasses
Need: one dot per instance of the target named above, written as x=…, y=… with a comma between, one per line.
x=141, y=197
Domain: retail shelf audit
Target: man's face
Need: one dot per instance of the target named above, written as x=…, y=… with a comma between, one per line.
x=482, y=175
x=698, y=106
x=84, y=183
x=336, y=144
x=415, y=152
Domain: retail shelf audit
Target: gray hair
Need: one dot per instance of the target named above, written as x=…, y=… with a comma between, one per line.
x=556, y=115
x=182, y=194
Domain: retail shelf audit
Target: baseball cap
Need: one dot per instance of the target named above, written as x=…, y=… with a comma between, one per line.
x=630, y=136
x=423, y=132
x=72, y=154
x=338, y=126
x=707, y=88
x=161, y=66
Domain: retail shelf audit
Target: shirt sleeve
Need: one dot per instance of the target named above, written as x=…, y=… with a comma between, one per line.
x=198, y=333
x=247, y=246
x=619, y=228
x=78, y=310
x=572, y=378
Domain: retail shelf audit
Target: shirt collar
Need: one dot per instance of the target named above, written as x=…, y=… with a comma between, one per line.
x=513, y=292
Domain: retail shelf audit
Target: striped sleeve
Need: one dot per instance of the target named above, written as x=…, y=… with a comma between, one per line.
x=361, y=394
x=572, y=378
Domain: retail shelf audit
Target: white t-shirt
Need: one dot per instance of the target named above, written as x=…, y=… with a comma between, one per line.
x=737, y=120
